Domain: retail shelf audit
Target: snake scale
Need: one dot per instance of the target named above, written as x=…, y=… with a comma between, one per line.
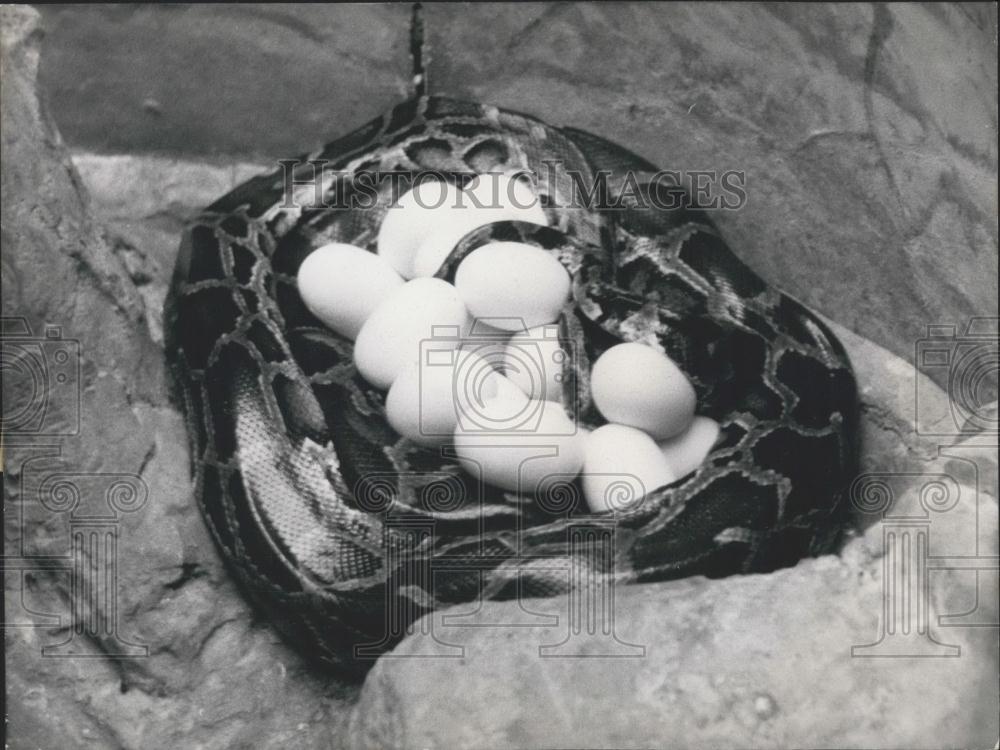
x=344, y=533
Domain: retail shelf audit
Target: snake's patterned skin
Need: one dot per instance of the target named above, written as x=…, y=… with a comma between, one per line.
x=345, y=533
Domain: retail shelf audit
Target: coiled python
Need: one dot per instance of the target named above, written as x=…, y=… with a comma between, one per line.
x=345, y=533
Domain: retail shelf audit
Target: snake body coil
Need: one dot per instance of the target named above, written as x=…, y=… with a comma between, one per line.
x=330, y=521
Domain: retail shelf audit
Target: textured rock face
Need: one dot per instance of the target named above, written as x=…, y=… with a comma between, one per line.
x=739, y=662
x=187, y=665
x=867, y=133
x=749, y=661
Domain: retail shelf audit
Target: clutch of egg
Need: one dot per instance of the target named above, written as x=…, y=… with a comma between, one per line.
x=477, y=365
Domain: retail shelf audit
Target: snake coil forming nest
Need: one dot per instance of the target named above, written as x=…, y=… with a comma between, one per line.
x=344, y=534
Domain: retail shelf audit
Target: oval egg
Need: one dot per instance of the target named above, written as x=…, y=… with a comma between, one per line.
x=488, y=198
x=520, y=455
x=686, y=452
x=488, y=342
x=392, y=336
x=417, y=213
x=636, y=385
x=342, y=285
x=621, y=465
x=508, y=194
x=517, y=286
x=533, y=360
x=426, y=398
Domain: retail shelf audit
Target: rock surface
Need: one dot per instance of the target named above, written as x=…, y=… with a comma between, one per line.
x=762, y=661
x=144, y=225
x=187, y=665
x=213, y=676
x=867, y=133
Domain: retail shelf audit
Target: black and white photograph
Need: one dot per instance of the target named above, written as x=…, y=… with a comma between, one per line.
x=500, y=376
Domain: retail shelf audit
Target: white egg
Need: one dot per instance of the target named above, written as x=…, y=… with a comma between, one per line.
x=342, y=284
x=422, y=312
x=488, y=342
x=426, y=398
x=420, y=405
x=515, y=285
x=508, y=194
x=687, y=451
x=636, y=385
x=533, y=360
x=621, y=465
x=520, y=446
x=418, y=213
x=488, y=401
x=488, y=198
